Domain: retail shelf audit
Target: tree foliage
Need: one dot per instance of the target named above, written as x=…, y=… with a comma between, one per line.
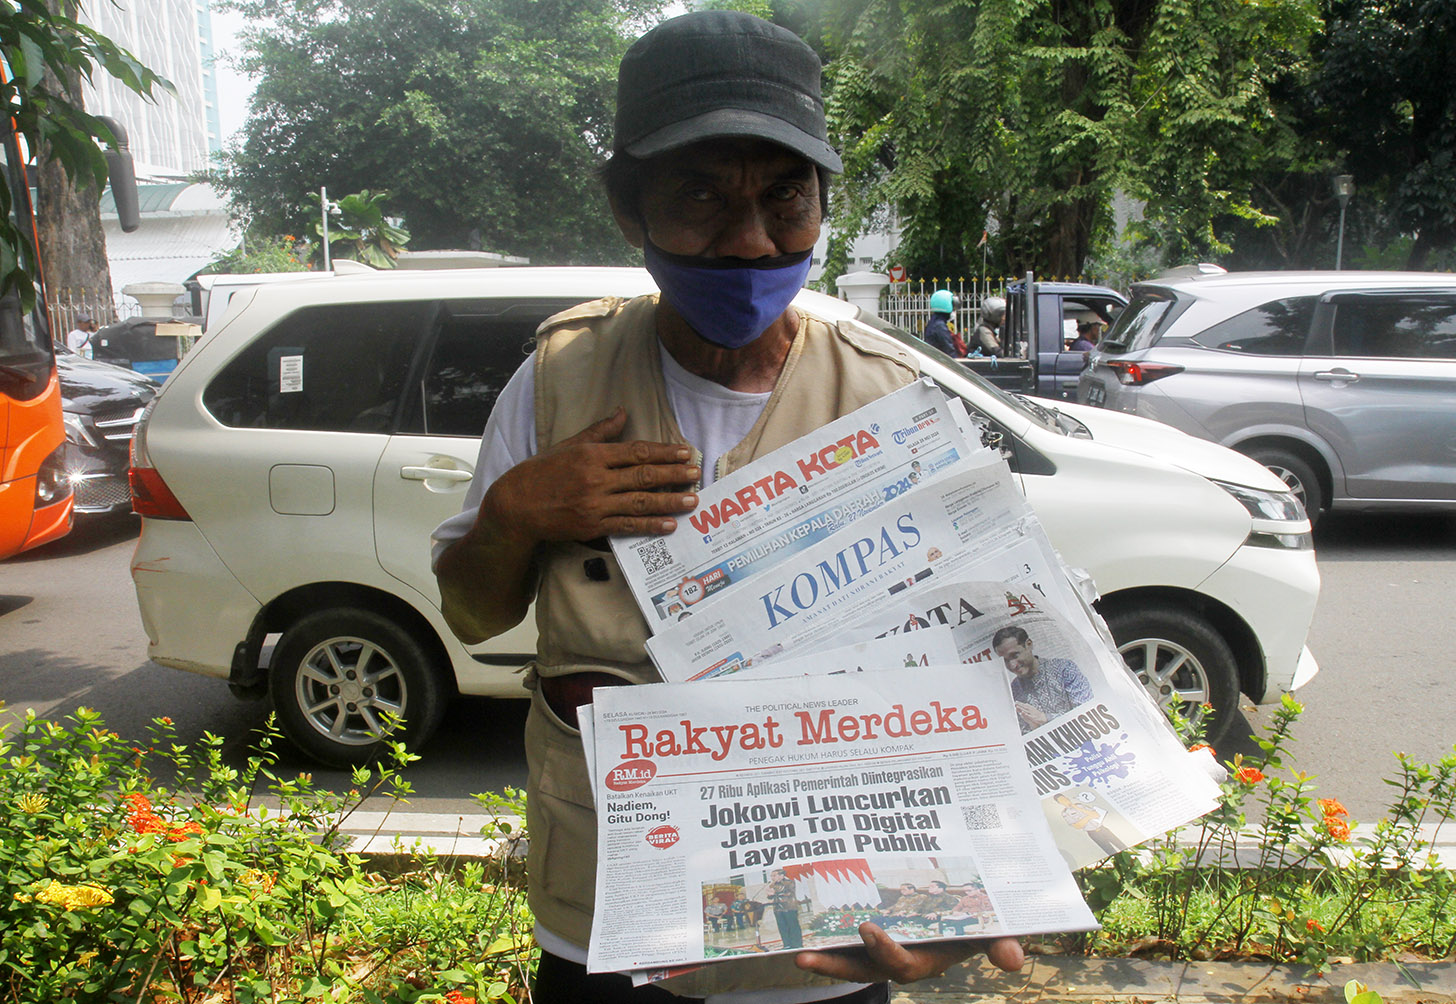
x=44, y=50
x=485, y=118
x=1386, y=90
x=1024, y=117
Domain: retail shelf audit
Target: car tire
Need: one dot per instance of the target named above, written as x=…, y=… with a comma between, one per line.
x=1295, y=472
x=1179, y=656
x=337, y=674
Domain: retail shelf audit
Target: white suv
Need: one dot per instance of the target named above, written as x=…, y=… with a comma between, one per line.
x=292, y=468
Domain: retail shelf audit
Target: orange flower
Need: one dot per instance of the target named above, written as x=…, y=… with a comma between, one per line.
x=139, y=814
x=1249, y=775
x=456, y=997
x=1200, y=746
x=177, y=834
x=1332, y=807
x=1338, y=828
x=1311, y=925
x=143, y=819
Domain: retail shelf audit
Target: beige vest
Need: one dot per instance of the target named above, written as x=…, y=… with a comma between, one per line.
x=589, y=360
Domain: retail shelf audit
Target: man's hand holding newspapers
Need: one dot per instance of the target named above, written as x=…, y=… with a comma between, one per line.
x=883, y=958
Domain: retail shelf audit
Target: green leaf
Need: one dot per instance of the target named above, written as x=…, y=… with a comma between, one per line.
x=209, y=898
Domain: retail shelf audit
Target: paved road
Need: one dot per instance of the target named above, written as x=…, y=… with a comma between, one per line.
x=70, y=635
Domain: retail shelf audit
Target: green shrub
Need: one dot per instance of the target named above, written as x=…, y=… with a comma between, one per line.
x=120, y=888
x=1296, y=886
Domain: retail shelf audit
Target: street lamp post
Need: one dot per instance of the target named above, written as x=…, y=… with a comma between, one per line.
x=1344, y=188
x=328, y=263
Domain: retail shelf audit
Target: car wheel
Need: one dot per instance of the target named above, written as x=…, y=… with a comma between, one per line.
x=1297, y=474
x=1182, y=662
x=337, y=677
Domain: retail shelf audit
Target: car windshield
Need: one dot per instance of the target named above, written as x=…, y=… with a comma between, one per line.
x=951, y=375
x=1137, y=326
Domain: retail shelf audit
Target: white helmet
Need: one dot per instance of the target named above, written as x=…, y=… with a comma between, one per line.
x=994, y=307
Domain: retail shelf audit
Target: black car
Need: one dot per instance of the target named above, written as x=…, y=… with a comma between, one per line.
x=102, y=404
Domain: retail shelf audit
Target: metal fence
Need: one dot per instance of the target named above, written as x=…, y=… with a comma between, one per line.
x=66, y=305
x=906, y=304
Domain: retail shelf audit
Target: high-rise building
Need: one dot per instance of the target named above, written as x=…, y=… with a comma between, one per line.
x=173, y=136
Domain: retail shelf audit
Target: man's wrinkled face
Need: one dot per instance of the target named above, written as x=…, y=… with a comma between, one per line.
x=1017, y=656
x=727, y=198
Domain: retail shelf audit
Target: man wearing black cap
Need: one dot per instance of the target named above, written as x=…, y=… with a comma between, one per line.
x=719, y=162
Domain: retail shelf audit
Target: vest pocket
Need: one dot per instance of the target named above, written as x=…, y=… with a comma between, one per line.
x=562, y=823
x=585, y=610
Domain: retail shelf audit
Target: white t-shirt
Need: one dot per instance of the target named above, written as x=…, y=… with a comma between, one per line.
x=79, y=342
x=712, y=418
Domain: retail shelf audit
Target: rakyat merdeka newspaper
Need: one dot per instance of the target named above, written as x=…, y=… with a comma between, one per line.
x=795, y=496
x=768, y=815
x=931, y=647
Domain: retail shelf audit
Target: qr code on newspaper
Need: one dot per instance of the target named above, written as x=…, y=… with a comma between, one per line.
x=981, y=817
x=655, y=556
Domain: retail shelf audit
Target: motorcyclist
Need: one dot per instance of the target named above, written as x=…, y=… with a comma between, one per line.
x=937, y=331
x=986, y=336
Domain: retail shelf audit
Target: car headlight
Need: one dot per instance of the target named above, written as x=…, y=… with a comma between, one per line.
x=76, y=430
x=51, y=483
x=1279, y=519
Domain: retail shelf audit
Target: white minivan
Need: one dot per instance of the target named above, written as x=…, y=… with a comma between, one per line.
x=290, y=472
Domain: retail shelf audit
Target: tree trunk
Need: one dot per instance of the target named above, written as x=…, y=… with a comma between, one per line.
x=1068, y=238
x=68, y=226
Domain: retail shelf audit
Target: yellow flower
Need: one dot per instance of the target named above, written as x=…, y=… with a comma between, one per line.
x=74, y=897
x=32, y=802
x=264, y=880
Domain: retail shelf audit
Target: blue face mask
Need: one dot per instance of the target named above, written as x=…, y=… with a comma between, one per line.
x=729, y=301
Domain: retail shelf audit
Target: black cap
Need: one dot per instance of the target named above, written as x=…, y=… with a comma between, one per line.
x=721, y=73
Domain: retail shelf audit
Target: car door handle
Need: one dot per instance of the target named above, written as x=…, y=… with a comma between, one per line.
x=434, y=474
x=1337, y=376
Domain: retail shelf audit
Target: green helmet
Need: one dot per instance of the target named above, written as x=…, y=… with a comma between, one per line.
x=941, y=302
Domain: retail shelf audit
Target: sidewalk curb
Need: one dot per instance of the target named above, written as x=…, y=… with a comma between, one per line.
x=1052, y=978
x=1045, y=979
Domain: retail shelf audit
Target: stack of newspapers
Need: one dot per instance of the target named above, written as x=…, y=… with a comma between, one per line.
x=886, y=698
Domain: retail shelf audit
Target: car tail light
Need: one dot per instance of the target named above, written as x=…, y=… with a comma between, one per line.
x=1136, y=374
x=150, y=495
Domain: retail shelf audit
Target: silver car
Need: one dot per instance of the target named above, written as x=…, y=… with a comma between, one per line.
x=1342, y=383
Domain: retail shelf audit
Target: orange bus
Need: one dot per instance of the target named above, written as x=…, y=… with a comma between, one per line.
x=35, y=492
x=35, y=495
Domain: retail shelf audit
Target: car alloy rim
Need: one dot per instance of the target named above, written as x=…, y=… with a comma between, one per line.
x=1170, y=673
x=347, y=689
x=1291, y=481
